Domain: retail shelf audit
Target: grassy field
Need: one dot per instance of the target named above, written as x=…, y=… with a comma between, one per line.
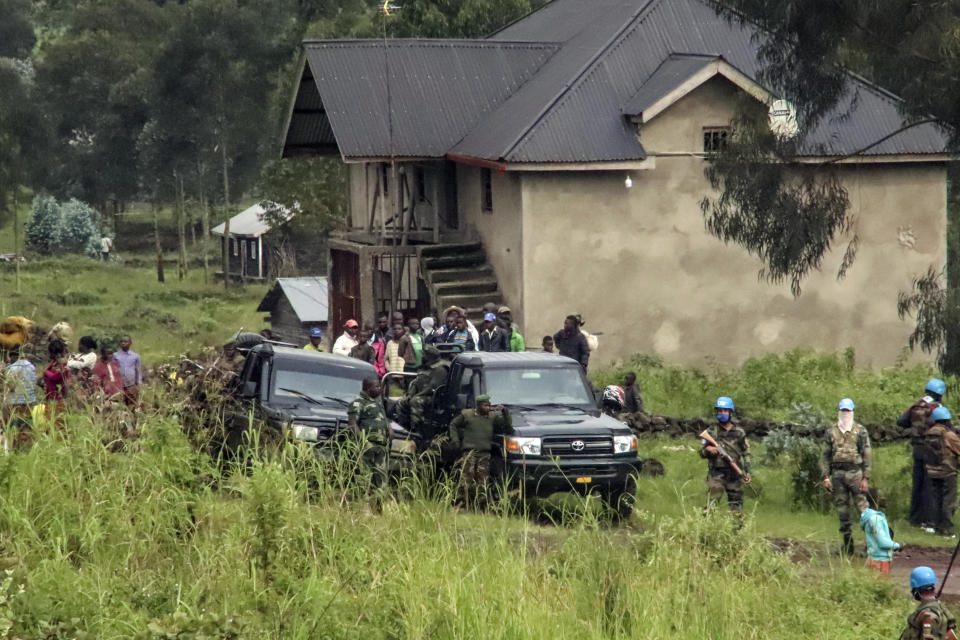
x=780, y=386
x=108, y=300
x=158, y=541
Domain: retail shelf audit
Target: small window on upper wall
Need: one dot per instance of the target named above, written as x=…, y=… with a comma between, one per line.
x=715, y=139
x=486, y=190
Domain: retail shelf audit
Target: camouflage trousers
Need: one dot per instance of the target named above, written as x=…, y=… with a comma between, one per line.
x=375, y=460
x=725, y=480
x=847, y=494
x=474, y=473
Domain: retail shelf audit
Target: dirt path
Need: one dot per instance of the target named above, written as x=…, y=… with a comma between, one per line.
x=937, y=558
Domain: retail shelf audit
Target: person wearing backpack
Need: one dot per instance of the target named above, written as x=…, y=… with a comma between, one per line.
x=917, y=420
x=943, y=453
x=931, y=620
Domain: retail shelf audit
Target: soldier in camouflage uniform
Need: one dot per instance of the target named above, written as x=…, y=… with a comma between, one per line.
x=366, y=416
x=941, y=450
x=433, y=375
x=846, y=468
x=472, y=432
x=721, y=477
x=931, y=620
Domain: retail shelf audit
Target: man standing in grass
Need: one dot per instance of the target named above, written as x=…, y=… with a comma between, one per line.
x=846, y=468
x=131, y=371
x=20, y=380
x=366, y=416
x=917, y=420
x=723, y=461
x=931, y=620
x=942, y=452
x=472, y=432
x=632, y=402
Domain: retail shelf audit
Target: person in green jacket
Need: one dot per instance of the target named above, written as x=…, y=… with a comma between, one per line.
x=472, y=433
x=514, y=339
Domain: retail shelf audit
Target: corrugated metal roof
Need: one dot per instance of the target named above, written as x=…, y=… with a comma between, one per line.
x=674, y=71
x=570, y=129
x=248, y=223
x=439, y=90
x=567, y=105
x=307, y=296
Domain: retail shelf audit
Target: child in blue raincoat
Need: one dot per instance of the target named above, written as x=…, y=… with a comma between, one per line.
x=880, y=546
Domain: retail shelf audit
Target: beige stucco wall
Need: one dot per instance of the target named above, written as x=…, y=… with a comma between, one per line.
x=640, y=267
x=500, y=231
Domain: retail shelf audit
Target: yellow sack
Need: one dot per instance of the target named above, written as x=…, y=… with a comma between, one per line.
x=15, y=332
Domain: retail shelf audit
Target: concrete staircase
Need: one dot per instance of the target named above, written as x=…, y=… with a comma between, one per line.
x=459, y=274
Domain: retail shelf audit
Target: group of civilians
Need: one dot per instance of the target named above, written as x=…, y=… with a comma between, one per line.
x=89, y=374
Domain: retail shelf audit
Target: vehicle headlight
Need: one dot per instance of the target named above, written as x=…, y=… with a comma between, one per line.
x=624, y=444
x=523, y=446
x=303, y=432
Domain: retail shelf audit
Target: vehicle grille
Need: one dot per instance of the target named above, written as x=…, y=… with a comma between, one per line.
x=562, y=446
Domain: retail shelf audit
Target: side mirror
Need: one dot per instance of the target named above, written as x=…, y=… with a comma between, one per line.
x=249, y=389
x=461, y=401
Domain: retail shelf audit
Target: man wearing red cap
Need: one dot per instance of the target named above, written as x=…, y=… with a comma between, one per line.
x=348, y=340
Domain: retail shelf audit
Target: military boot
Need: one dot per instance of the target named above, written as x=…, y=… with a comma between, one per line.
x=847, y=544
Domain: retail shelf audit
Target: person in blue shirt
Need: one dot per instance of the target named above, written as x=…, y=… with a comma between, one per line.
x=880, y=544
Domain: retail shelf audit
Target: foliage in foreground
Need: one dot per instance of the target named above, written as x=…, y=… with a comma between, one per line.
x=156, y=541
x=773, y=386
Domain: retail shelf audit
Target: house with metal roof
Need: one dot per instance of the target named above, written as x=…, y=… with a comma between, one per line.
x=248, y=247
x=296, y=305
x=557, y=166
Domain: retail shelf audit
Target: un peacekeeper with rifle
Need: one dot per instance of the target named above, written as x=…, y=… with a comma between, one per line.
x=366, y=417
x=472, y=433
x=931, y=620
x=846, y=468
x=727, y=451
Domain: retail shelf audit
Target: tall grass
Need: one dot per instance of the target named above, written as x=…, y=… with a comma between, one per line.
x=154, y=539
x=774, y=385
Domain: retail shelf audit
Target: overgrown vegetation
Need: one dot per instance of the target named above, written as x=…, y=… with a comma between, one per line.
x=772, y=386
x=156, y=540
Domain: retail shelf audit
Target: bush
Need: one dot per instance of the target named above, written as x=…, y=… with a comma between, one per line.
x=803, y=455
x=58, y=228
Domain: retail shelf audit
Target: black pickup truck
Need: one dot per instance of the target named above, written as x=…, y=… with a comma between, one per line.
x=299, y=394
x=561, y=442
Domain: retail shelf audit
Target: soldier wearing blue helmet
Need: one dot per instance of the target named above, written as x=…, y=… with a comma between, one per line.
x=917, y=420
x=941, y=448
x=727, y=451
x=846, y=468
x=931, y=620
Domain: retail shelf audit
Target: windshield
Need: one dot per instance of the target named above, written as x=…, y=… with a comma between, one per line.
x=538, y=387
x=343, y=384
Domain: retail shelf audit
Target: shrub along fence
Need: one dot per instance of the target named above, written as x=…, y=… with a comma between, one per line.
x=643, y=423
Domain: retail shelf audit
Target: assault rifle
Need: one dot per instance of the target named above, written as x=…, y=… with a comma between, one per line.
x=705, y=436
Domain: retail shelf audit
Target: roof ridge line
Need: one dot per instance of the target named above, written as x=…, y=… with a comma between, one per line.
x=580, y=74
x=465, y=42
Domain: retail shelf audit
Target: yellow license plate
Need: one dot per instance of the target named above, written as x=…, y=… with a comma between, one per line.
x=584, y=480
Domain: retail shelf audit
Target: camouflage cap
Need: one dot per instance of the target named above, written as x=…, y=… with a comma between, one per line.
x=483, y=398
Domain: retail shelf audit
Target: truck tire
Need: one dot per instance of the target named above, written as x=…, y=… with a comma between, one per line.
x=622, y=498
x=247, y=339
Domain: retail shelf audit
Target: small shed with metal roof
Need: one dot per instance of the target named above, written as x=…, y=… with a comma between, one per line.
x=250, y=251
x=296, y=305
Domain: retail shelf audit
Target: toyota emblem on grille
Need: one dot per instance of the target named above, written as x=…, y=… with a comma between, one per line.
x=577, y=445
